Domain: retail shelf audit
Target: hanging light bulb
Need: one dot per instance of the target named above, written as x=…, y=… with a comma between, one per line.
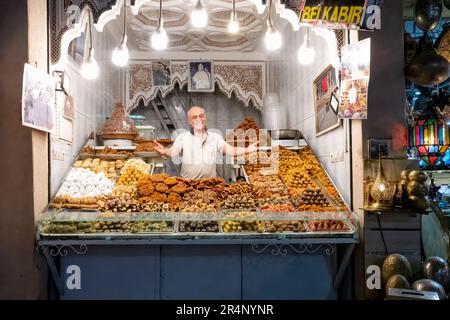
x=120, y=54
x=272, y=38
x=306, y=53
x=89, y=69
x=233, y=26
x=159, y=37
x=199, y=16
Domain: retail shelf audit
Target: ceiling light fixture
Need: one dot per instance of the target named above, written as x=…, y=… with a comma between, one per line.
x=159, y=37
x=120, y=55
x=199, y=16
x=272, y=38
x=306, y=53
x=233, y=26
x=89, y=69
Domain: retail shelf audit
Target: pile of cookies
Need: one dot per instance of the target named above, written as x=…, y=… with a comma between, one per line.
x=281, y=226
x=111, y=169
x=138, y=164
x=240, y=222
x=311, y=199
x=147, y=146
x=239, y=202
x=68, y=202
x=327, y=225
x=297, y=179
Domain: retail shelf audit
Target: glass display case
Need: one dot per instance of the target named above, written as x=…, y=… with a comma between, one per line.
x=72, y=223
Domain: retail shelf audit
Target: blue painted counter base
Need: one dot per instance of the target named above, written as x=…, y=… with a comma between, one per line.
x=96, y=270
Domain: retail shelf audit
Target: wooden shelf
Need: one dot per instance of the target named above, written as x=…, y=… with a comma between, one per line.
x=395, y=211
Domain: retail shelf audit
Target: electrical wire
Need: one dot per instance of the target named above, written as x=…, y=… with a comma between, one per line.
x=382, y=235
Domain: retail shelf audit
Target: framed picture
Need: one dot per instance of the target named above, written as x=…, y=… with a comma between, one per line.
x=161, y=73
x=334, y=103
x=69, y=108
x=201, y=76
x=323, y=88
x=38, y=99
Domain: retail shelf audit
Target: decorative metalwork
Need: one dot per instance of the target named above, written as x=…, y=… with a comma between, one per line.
x=282, y=249
x=63, y=250
x=58, y=16
x=340, y=40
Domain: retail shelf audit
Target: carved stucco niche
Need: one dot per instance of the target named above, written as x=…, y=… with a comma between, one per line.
x=247, y=80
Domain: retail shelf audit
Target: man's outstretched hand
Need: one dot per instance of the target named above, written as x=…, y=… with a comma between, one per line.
x=159, y=148
x=253, y=147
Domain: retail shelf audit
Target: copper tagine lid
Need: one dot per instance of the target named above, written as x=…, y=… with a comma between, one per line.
x=119, y=126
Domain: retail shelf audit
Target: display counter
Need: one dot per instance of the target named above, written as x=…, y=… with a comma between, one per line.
x=156, y=256
x=116, y=229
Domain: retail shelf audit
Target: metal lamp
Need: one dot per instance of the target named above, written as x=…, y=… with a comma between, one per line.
x=428, y=138
x=382, y=190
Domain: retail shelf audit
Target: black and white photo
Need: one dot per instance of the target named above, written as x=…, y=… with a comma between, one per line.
x=161, y=73
x=201, y=76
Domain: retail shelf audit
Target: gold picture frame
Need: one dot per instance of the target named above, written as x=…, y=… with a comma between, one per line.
x=324, y=86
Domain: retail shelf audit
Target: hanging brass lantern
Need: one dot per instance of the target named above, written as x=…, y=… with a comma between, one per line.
x=443, y=42
x=427, y=68
x=382, y=190
x=427, y=13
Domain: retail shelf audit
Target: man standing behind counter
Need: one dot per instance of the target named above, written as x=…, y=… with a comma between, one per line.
x=199, y=147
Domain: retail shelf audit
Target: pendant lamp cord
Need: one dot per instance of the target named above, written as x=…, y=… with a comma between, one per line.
x=270, y=14
x=124, y=17
x=234, y=10
x=90, y=28
x=160, y=12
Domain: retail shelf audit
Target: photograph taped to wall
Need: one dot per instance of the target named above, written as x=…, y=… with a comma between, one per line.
x=38, y=99
x=161, y=73
x=201, y=76
x=353, y=99
x=323, y=87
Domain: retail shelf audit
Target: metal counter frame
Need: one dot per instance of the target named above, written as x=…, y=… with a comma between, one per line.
x=267, y=250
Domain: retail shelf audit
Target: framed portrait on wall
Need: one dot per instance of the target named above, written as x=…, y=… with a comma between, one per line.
x=201, y=76
x=324, y=86
x=69, y=108
x=161, y=73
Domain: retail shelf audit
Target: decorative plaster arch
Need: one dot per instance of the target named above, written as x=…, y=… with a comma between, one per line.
x=245, y=79
x=80, y=27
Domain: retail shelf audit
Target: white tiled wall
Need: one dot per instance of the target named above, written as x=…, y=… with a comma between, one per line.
x=293, y=83
x=94, y=101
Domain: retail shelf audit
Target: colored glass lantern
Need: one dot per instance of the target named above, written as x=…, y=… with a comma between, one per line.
x=428, y=139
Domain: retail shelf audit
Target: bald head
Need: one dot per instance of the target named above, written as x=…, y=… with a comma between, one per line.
x=195, y=110
x=197, y=118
